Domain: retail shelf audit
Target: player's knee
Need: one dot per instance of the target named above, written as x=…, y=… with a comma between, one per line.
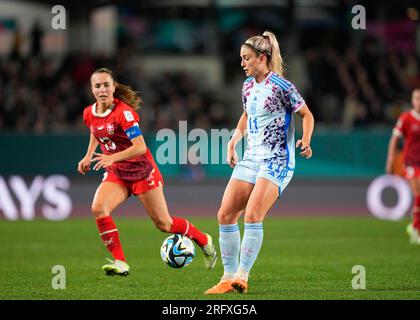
x=225, y=217
x=99, y=211
x=254, y=209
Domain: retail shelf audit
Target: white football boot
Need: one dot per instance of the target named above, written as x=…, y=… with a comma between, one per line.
x=117, y=267
x=413, y=234
x=209, y=253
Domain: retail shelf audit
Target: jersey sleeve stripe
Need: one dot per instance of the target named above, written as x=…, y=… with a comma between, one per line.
x=397, y=132
x=285, y=85
x=282, y=84
x=297, y=107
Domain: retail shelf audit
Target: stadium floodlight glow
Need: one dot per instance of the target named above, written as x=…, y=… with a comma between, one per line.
x=374, y=197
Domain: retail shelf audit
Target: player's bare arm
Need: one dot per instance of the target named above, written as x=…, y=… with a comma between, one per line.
x=392, y=150
x=104, y=160
x=84, y=164
x=240, y=131
x=307, y=128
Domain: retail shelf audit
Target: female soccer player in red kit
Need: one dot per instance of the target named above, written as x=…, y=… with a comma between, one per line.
x=130, y=170
x=408, y=128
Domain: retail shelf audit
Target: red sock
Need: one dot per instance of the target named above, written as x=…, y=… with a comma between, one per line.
x=416, y=213
x=109, y=234
x=183, y=226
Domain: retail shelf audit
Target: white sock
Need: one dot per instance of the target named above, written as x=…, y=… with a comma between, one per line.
x=230, y=243
x=243, y=274
x=251, y=245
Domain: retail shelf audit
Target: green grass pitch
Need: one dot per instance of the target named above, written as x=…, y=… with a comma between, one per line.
x=301, y=258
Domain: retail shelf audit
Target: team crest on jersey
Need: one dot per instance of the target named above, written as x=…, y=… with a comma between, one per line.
x=110, y=128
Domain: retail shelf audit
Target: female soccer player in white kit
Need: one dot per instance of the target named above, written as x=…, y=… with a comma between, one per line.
x=269, y=102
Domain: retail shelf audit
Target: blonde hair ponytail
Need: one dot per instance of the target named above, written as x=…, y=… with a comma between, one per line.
x=267, y=45
x=276, y=62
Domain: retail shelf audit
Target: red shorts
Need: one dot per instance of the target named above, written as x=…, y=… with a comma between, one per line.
x=153, y=181
x=411, y=172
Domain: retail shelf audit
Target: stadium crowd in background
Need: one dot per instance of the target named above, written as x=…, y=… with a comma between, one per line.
x=360, y=88
x=348, y=85
x=38, y=95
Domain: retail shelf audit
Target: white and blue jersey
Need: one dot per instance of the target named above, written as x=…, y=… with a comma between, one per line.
x=270, y=142
x=270, y=106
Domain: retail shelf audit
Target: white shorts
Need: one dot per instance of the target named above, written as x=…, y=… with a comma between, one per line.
x=250, y=171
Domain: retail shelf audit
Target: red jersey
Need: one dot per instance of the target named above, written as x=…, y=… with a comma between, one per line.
x=109, y=128
x=408, y=127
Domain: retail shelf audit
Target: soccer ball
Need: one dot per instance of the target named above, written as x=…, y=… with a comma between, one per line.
x=177, y=251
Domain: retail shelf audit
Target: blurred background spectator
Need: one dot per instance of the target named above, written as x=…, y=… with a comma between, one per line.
x=350, y=78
